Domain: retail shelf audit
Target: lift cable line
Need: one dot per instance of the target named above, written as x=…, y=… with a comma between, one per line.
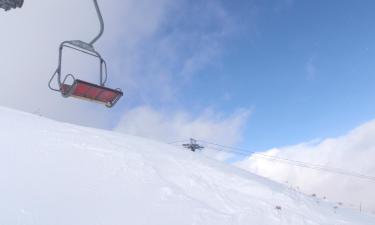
x=245, y=152
x=303, y=164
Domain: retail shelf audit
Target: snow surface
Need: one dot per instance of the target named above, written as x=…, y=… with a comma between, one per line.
x=57, y=173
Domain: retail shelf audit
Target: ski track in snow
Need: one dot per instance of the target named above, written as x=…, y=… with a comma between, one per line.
x=57, y=173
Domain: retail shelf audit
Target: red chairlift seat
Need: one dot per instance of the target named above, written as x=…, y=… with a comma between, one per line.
x=81, y=89
x=92, y=92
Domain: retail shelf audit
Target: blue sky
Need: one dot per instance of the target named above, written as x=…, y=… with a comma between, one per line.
x=308, y=74
x=304, y=68
x=336, y=40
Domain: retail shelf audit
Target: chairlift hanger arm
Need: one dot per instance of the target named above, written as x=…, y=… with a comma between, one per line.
x=101, y=23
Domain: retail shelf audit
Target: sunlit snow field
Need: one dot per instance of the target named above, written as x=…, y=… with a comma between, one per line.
x=56, y=173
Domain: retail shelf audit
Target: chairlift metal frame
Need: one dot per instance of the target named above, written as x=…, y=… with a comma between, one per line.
x=10, y=4
x=94, y=92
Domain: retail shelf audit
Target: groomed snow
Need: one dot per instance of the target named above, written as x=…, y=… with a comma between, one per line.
x=53, y=173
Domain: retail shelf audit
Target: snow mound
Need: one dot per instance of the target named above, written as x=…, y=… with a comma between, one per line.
x=57, y=173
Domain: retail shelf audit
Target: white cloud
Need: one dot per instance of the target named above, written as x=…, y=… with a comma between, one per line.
x=353, y=152
x=186, y=38
x=171, y=126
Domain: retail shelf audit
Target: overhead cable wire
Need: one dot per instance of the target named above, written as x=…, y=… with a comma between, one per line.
x=175, y=142
x=245, y=152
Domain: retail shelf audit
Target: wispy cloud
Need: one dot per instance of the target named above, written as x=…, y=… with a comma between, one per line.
x=182, y=39
x=280, y=6
x=171, y=126
x=353, y=152
x=311, y=69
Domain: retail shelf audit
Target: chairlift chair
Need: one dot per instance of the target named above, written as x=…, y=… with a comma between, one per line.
x=10, y=4
x=69, y=86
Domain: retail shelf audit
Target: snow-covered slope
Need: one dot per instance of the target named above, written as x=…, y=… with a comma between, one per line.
x=55, y=173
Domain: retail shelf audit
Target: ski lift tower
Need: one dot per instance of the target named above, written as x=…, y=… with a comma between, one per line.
x=193, y=146
x=10, y=4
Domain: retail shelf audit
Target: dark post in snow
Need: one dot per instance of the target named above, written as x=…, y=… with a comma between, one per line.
x=193, y=146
